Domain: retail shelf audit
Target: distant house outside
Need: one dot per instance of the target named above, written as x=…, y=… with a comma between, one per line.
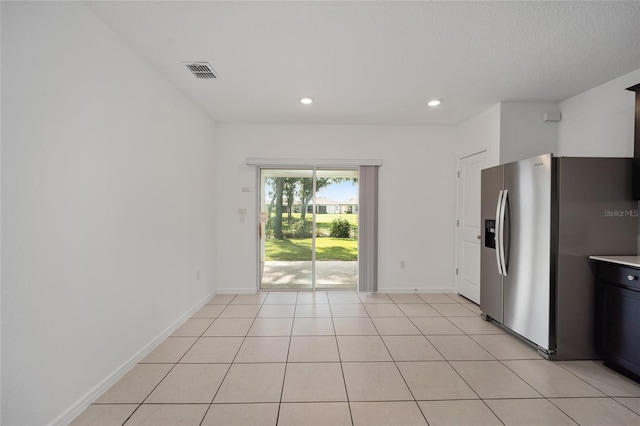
x=323, y=206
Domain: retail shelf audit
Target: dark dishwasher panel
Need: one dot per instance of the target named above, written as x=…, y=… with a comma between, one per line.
x=618, y=318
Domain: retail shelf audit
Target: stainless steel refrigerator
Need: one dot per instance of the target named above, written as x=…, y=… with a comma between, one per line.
x=542, y=218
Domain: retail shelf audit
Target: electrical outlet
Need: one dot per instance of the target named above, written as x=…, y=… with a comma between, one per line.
x=246, y=189
x=403, y=264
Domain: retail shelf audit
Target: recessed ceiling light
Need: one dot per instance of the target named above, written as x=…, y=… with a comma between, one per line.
x=306, y=100
x=434, y=102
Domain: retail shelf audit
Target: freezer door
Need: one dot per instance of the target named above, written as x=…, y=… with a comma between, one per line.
x=490, y=278
x=527, y=284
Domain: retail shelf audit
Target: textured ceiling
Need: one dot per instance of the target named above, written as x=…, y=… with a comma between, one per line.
x=378, y=62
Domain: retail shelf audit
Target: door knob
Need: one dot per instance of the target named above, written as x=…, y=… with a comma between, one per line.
x=631, y=278
x=479, y=237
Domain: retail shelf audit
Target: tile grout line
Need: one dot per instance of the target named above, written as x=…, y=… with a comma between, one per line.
x=452, y=367
x=227, y=372
x=172, y=368
x=415, y=401
x=286, y=361
x=580, y=378
x=463, y=379
x=501, y=399
x=502, y=362
x=549, y=399
x=344, y=380
x=244, y=338
x=565, y=413
x=445, y=359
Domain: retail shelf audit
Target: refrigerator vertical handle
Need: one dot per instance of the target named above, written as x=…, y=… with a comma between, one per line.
x=498, y=205
x=503, y=209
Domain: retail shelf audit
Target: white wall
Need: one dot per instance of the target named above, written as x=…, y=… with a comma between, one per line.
x=523, y=131
x=417, y=196
x=599, y=122
x=481, y=133
x=108, y=208
x=509, y=131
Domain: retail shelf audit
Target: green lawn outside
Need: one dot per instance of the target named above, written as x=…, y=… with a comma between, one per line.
x=289, y=249
x=323, y=221
x=324, y=218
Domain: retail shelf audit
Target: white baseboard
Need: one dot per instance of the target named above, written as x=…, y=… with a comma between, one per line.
x=236, y=291
x=417, y=290
x=72, y=412
x=380, y=290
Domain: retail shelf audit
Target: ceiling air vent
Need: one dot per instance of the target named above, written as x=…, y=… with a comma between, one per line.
x=201, y=69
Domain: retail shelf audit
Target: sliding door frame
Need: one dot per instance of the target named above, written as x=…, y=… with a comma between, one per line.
x=306, y=163
x=259, y=254
x=263, y=235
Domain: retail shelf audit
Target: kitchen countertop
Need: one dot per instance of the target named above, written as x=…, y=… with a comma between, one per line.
x=633, y=261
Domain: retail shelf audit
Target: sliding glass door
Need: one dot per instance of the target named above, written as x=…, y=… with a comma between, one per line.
x=336, y=221
x=308, y=228
x=286, y=243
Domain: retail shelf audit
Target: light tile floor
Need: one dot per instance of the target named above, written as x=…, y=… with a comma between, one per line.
x=341, y=358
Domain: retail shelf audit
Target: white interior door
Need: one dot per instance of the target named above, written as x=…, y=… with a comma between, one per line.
x=469, y=232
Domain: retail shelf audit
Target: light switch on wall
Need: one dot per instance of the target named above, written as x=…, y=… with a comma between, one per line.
x=242, y=213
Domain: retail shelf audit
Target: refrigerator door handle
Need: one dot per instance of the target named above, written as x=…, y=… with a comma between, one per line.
x=503, y=209
x=498, y=237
